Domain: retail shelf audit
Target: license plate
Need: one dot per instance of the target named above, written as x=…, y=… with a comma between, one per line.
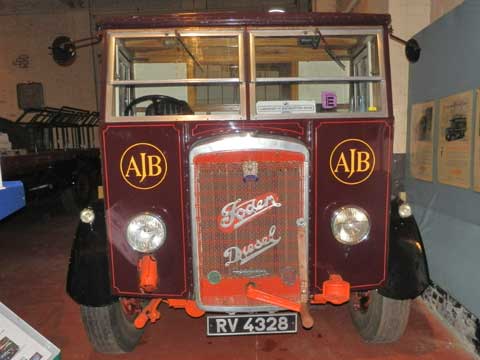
x=251, y=324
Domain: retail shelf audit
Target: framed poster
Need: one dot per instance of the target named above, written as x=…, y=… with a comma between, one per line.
x=421, y=140
x=19, y=341
x=476, y=158
x=454, y=139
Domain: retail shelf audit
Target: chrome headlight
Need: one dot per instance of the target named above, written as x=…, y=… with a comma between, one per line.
x=146, y=232
x=87, y=216
x=350, y=225
x=405, y=210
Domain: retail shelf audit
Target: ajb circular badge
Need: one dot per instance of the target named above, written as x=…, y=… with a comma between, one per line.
x=143, y=166
x=352, y=161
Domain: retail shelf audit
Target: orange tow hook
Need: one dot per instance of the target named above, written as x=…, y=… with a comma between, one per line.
x=262, y=296
x=190, y=307
x=149, y=312
x=307, y=320
x=148, y=275
x=335, y=291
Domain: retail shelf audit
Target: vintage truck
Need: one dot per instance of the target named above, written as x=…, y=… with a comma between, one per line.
x=247, y=166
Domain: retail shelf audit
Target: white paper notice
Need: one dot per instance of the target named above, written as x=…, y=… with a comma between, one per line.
x=286, y=107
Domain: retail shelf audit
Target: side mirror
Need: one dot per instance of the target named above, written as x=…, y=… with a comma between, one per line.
x=64, y=51
x=412, y=50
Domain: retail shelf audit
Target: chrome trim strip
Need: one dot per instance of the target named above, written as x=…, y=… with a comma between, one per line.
x=175, y=81
x=241, y=74
x=253, y=74
x=326, y=115
x=153, y=33
x=241, y=142
x=109, y=93
x=382, y=70
x=164, y=118
x=323, y=79
x=312, y=30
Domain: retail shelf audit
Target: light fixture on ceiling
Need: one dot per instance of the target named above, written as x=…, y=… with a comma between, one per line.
x=276, y=10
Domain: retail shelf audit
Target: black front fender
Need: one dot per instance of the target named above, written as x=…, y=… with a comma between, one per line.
x=88, y=281
x=407, y=274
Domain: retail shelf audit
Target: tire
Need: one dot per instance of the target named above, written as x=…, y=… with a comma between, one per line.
x=82, y=189
x=379, y=319
x=109, y=330
x=67, y=199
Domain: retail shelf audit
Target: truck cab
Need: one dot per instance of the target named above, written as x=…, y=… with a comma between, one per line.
x=247, y=177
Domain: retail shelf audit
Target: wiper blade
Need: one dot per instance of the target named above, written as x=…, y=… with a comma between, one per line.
x=180, y=40
x=329, y=51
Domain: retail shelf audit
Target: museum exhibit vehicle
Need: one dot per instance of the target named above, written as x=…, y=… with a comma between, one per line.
x=53, y=151
x=12, y=194
x=247, y=175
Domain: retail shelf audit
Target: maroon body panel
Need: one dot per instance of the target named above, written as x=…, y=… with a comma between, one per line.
x=124, y=201
x=363, y=265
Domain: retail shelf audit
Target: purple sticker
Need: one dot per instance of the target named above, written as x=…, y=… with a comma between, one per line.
x=329, y=100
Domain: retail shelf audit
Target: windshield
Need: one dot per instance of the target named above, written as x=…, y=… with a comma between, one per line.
x=204, y=74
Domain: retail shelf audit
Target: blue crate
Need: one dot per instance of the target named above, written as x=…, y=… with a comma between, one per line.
x=12, y=198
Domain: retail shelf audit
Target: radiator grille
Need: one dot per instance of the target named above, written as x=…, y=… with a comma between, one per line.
x=260, y=245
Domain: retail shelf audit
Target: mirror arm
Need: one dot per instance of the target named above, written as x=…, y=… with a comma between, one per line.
x=412, y=48
x=93, y=40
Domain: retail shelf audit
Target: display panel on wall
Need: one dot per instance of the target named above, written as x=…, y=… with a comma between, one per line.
x=454, y=139
x=476, y=167
x=422, y=127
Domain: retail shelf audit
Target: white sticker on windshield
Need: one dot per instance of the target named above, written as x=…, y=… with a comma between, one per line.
x=286, y=107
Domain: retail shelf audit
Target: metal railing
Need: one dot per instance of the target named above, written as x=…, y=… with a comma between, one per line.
x=62, y=128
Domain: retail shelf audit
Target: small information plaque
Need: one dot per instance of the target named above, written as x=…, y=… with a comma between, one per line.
x=285, y=107
x=19, y=341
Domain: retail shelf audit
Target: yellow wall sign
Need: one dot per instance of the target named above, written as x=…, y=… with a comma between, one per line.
x=352, y=161
x=143, y=166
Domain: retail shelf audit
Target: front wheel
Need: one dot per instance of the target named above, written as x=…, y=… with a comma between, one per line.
x=110, y=329
x=377, y=318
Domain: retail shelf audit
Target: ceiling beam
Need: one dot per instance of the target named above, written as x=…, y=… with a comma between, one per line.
x=346, y=6
x=73, y=4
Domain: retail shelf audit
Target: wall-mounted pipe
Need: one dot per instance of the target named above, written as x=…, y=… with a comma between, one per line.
x=351, y=6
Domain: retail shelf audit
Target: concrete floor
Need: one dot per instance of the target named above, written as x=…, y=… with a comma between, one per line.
x=34, y=256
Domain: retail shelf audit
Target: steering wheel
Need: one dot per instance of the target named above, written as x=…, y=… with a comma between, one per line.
x=160, y=105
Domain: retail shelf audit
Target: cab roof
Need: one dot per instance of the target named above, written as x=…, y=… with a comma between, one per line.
x=213, y=19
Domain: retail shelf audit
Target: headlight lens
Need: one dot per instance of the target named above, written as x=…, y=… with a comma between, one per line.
x=146, y=232
x=404, y=211
x=87, y=216
x=350, y=225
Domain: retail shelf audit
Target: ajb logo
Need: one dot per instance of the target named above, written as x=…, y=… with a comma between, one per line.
x=352, y=161
x=143, y=166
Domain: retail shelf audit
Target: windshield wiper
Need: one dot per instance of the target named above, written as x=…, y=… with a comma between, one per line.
x=329, y=51
x=180, y=40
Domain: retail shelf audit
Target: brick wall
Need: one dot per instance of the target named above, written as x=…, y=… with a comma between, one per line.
x=24, y=57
